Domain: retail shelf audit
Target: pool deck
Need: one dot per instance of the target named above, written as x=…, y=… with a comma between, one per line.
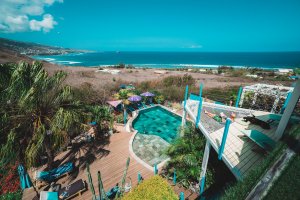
x=110, y=158
x=240, y=154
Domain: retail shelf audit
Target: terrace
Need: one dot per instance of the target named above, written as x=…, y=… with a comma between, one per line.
x=240, y=154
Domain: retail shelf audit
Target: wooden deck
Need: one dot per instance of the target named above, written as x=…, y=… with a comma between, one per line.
x=110, y=159
x=240, y=154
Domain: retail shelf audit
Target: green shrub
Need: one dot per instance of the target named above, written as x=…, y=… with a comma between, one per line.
x=12, y=196
x=152, y=189
x=186, y=155
x=287, y=186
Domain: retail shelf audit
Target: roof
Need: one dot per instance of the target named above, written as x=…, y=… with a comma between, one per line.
x=114, y=103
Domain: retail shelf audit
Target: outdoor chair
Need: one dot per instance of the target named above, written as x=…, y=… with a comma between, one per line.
x=144, y=105
x=72, y=190
x=260, y=139
x=45, y=195
x=46, y=177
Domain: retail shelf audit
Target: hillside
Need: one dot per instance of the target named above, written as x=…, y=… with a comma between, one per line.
x=28, y=48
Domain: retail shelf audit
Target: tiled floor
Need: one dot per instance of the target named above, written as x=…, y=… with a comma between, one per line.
x=150, y=148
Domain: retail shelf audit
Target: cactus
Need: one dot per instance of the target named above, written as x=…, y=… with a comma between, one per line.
x=90, y=181
x=121, y=191
x=102, y=193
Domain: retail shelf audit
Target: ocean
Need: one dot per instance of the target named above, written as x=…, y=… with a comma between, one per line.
x=267, y=60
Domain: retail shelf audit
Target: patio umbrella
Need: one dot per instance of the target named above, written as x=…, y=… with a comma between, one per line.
x=147, y=94
x=135, y=98
x=25, y=181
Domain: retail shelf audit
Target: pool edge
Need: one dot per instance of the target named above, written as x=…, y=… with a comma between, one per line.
x=139, y=160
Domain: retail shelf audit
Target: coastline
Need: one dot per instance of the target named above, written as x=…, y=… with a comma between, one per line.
x=78, y=76
x=179, y=60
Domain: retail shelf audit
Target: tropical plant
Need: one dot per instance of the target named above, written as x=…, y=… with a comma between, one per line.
x=186, y=155
x=38, y=111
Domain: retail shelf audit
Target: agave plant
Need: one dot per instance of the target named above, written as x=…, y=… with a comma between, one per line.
x=40, y=109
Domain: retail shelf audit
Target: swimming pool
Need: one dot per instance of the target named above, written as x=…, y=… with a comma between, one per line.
x=157, y=121
x=156, y=129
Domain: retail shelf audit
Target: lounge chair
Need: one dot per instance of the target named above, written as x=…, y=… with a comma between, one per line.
x=151, y=104
x=144, y=105
x=140, y=106
x=260, y=139
x=131, y=109
x=49, y=176
x=111, y=194
x=45, y=195
x=72, y=190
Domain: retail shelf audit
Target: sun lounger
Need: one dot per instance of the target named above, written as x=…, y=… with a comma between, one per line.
x=131, y=109
x=260, y=139
x=151, y=104
x=140, y=106
x=72, y=190
x=45, y=195
x=49, y=176
x=144, y=105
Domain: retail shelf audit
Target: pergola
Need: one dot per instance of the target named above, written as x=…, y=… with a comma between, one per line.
x=278, y=92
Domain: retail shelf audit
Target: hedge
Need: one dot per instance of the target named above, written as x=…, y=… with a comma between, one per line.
x=152, y=189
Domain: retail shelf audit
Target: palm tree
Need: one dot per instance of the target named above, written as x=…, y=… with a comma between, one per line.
x=186, y=156
x=123, y=95
x=40, y=109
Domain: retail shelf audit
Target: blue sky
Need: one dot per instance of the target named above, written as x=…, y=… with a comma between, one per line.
x=155, y=25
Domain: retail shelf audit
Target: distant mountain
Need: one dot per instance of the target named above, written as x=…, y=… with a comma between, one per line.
x=29, y=48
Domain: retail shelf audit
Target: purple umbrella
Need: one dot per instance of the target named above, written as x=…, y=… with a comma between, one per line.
x=135, y=98
x=147, y=94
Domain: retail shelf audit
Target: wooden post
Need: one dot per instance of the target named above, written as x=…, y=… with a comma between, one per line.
x=200, y=90
x=275, y=104
x=292, y=102
x=184, y=106
x=226, y=129
x=286, y=102
x=254, y=98
x=139, y=178
x=238, y=97
x=199, y=112
x=204, y=166
x=155, y=169
x=174, y=177
x=242, y=99
x=181, y=197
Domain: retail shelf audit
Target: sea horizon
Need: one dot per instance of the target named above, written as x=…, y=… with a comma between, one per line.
x=170, y=60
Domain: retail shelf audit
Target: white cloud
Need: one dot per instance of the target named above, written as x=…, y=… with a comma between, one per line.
x=24, y=15
x=46, y=24
x=195, y=46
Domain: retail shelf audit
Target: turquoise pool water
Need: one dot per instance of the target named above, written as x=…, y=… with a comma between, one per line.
x=158, y=121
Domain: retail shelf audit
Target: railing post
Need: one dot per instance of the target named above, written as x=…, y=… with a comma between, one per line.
x=286, y=102
x=239, y=97
x=174, y=177
x=139, y=178
x=204, y=166
x=199, y=112
x=155, y=169
x=226, y=129
x=181, y=197
x=184, y=106
x=200, y=90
